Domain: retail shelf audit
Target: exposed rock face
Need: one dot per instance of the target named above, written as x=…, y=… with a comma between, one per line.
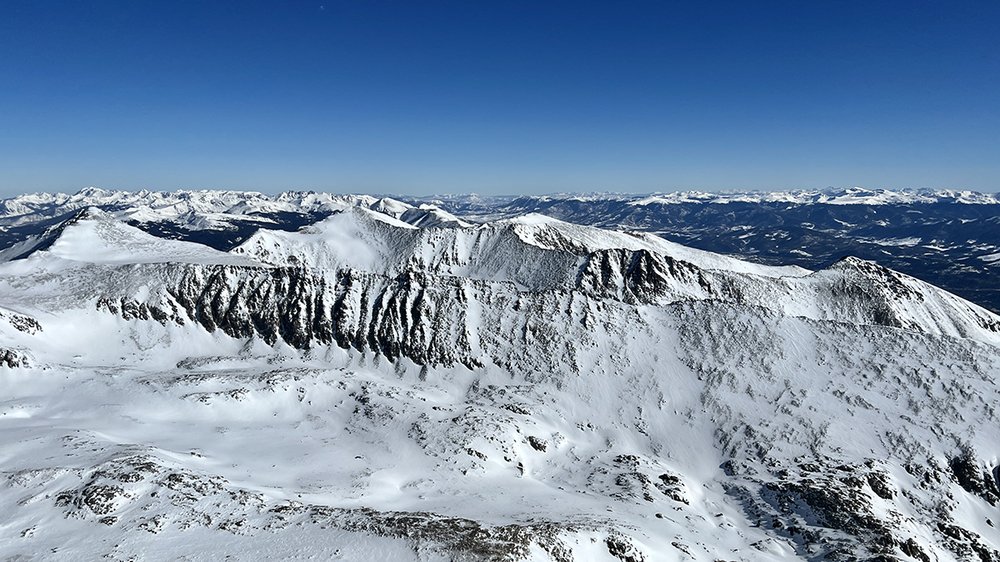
x=396, y=317
x=974, y=477
x=13, y=358
x=643, y=277
x=425, y=316
x=285, y=303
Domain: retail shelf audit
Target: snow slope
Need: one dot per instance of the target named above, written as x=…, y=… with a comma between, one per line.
x=371, y=388
x=94, y=236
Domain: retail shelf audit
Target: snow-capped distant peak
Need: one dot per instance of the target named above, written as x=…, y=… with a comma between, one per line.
x=390, y=207
x=848, y=196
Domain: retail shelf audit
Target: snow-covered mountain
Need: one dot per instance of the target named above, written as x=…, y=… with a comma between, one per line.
x=393, y=381
x=948, y=238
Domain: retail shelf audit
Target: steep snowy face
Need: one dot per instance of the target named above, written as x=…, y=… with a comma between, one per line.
x=863, y=291
x=371, y=387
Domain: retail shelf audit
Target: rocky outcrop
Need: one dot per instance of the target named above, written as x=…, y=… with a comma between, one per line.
x=640, y=276
x=12, y=358
x=138, y=492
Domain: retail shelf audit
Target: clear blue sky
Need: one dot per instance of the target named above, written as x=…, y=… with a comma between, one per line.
x=498, y=97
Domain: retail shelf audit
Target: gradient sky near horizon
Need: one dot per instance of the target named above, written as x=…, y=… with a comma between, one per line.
x=498, y=97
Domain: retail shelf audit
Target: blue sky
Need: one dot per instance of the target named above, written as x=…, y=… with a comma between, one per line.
x=498, y=97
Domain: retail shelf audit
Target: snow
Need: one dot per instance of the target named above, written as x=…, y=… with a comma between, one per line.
x=196, y=209
x=850, y=196
x=193, y=209
x=391, y=207
x=568, y=382
x=97, y=237
x=908, y=241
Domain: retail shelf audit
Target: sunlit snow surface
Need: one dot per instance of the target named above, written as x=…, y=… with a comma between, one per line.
x=522, y=389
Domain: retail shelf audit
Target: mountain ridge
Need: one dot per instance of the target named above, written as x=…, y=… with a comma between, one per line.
x=527, y=389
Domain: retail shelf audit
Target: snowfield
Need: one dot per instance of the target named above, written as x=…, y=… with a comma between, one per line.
x=394, y=382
